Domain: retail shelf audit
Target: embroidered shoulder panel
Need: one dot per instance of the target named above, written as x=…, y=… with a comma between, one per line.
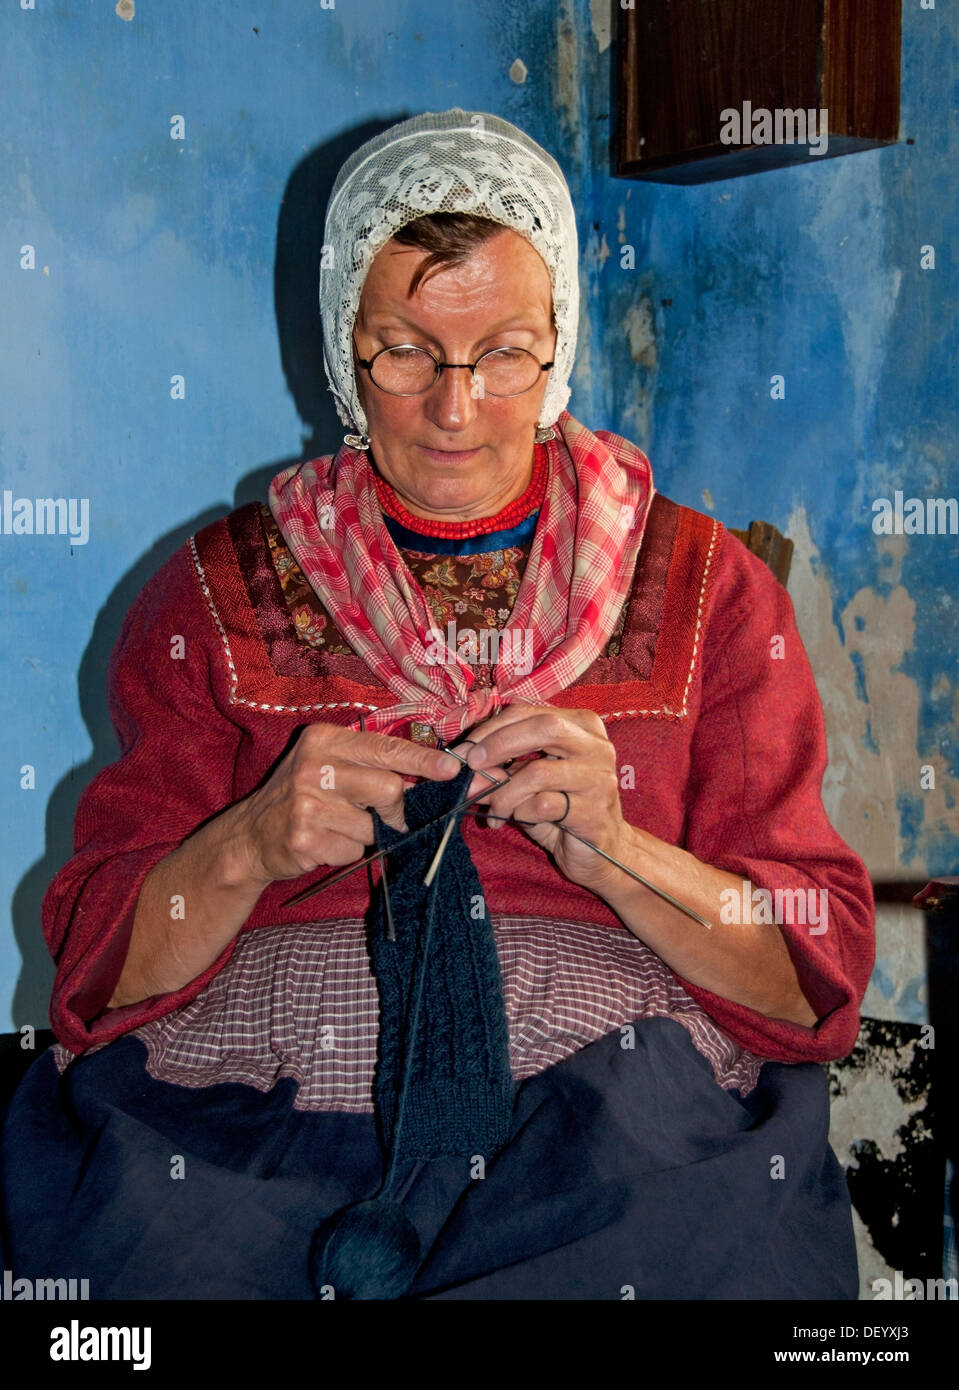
x=652, y=674
x=285, y=653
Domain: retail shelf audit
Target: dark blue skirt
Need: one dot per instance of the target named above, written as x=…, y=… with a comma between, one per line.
x=629, y=1173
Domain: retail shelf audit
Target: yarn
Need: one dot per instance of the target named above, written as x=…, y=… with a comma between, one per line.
x=459, y=1088
x=443, y=1085
x=367, y=1251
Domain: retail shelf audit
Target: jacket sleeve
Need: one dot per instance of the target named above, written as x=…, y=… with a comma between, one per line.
x=754, y=808
x=176, y=770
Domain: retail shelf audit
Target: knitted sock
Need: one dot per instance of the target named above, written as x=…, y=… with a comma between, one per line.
x=453, y=1075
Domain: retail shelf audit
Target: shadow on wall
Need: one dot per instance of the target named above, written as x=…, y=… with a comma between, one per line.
x=299, y=240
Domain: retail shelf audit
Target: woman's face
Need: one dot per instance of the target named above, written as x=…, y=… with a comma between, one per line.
x=449, y=455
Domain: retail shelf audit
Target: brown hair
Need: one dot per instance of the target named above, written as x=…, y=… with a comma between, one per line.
x=449, y=237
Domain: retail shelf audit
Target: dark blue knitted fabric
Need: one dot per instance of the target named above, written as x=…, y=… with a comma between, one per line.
x=459, y=1091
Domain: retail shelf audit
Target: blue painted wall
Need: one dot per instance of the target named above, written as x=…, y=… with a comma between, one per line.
x=156, y=257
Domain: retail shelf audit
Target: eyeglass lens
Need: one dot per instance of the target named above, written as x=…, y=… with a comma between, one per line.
x=406, y=371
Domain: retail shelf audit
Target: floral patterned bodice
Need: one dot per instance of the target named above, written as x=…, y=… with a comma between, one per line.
x=474, y=591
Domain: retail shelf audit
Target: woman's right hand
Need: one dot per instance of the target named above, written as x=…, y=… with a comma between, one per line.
x=313, y=810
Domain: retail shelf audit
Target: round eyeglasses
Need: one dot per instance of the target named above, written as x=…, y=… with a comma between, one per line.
x=406, y=370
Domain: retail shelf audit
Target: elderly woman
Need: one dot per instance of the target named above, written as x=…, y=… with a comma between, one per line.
x=558, y=1039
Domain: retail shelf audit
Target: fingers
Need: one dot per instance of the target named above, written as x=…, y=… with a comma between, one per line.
x=367, y=769
x=354, y=783
x=523, y=729
x=321, y=832
x=374, y=750
x=548, y=733
x=285, y=832
x=316, y=807
x=535, y=790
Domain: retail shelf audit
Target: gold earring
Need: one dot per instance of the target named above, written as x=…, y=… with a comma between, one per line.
x=543, y=432
x=357, y=441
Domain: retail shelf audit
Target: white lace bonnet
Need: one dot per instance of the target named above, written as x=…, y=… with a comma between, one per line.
x=446, y=161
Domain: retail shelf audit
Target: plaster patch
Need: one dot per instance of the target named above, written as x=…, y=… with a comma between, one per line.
x=601, y=253
x=874, y=754
x=863, y=784
x=891, y=550
x=567, y=66
x=871, y=1264
x=518, y=71
x=601, y=23
x=895, y=991
x=870, y=1105
x=639, y=327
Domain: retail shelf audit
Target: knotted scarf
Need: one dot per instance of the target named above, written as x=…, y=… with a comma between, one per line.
x=575, y=583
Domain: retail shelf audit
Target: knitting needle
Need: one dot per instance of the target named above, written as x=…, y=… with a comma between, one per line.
x=431, y=871
x=660, y=892
x=380, y=853
x=384, y=878
x=477, y=796
x=441, y=847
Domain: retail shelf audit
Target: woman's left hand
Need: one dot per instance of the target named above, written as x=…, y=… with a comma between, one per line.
x=581, y=761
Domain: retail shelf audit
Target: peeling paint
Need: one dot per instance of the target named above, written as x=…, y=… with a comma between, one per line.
x=599, y=252
x=878, y=1093
x=125, y=9
x=864, y=780
x=518, y=71
x=871, y=1264
x=880, y=1131
x=871, y=709
x=601, y=23
x=567, y=68
x=639, y=325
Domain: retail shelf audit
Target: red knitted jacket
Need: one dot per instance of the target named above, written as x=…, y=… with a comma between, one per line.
x=726, y=741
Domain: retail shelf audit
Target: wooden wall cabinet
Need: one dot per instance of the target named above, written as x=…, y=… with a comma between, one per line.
x=684, y=63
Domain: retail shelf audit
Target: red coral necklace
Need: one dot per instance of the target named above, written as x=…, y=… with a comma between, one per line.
x=511, y=515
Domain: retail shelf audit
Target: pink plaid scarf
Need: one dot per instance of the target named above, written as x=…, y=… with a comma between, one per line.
x=576, y=580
